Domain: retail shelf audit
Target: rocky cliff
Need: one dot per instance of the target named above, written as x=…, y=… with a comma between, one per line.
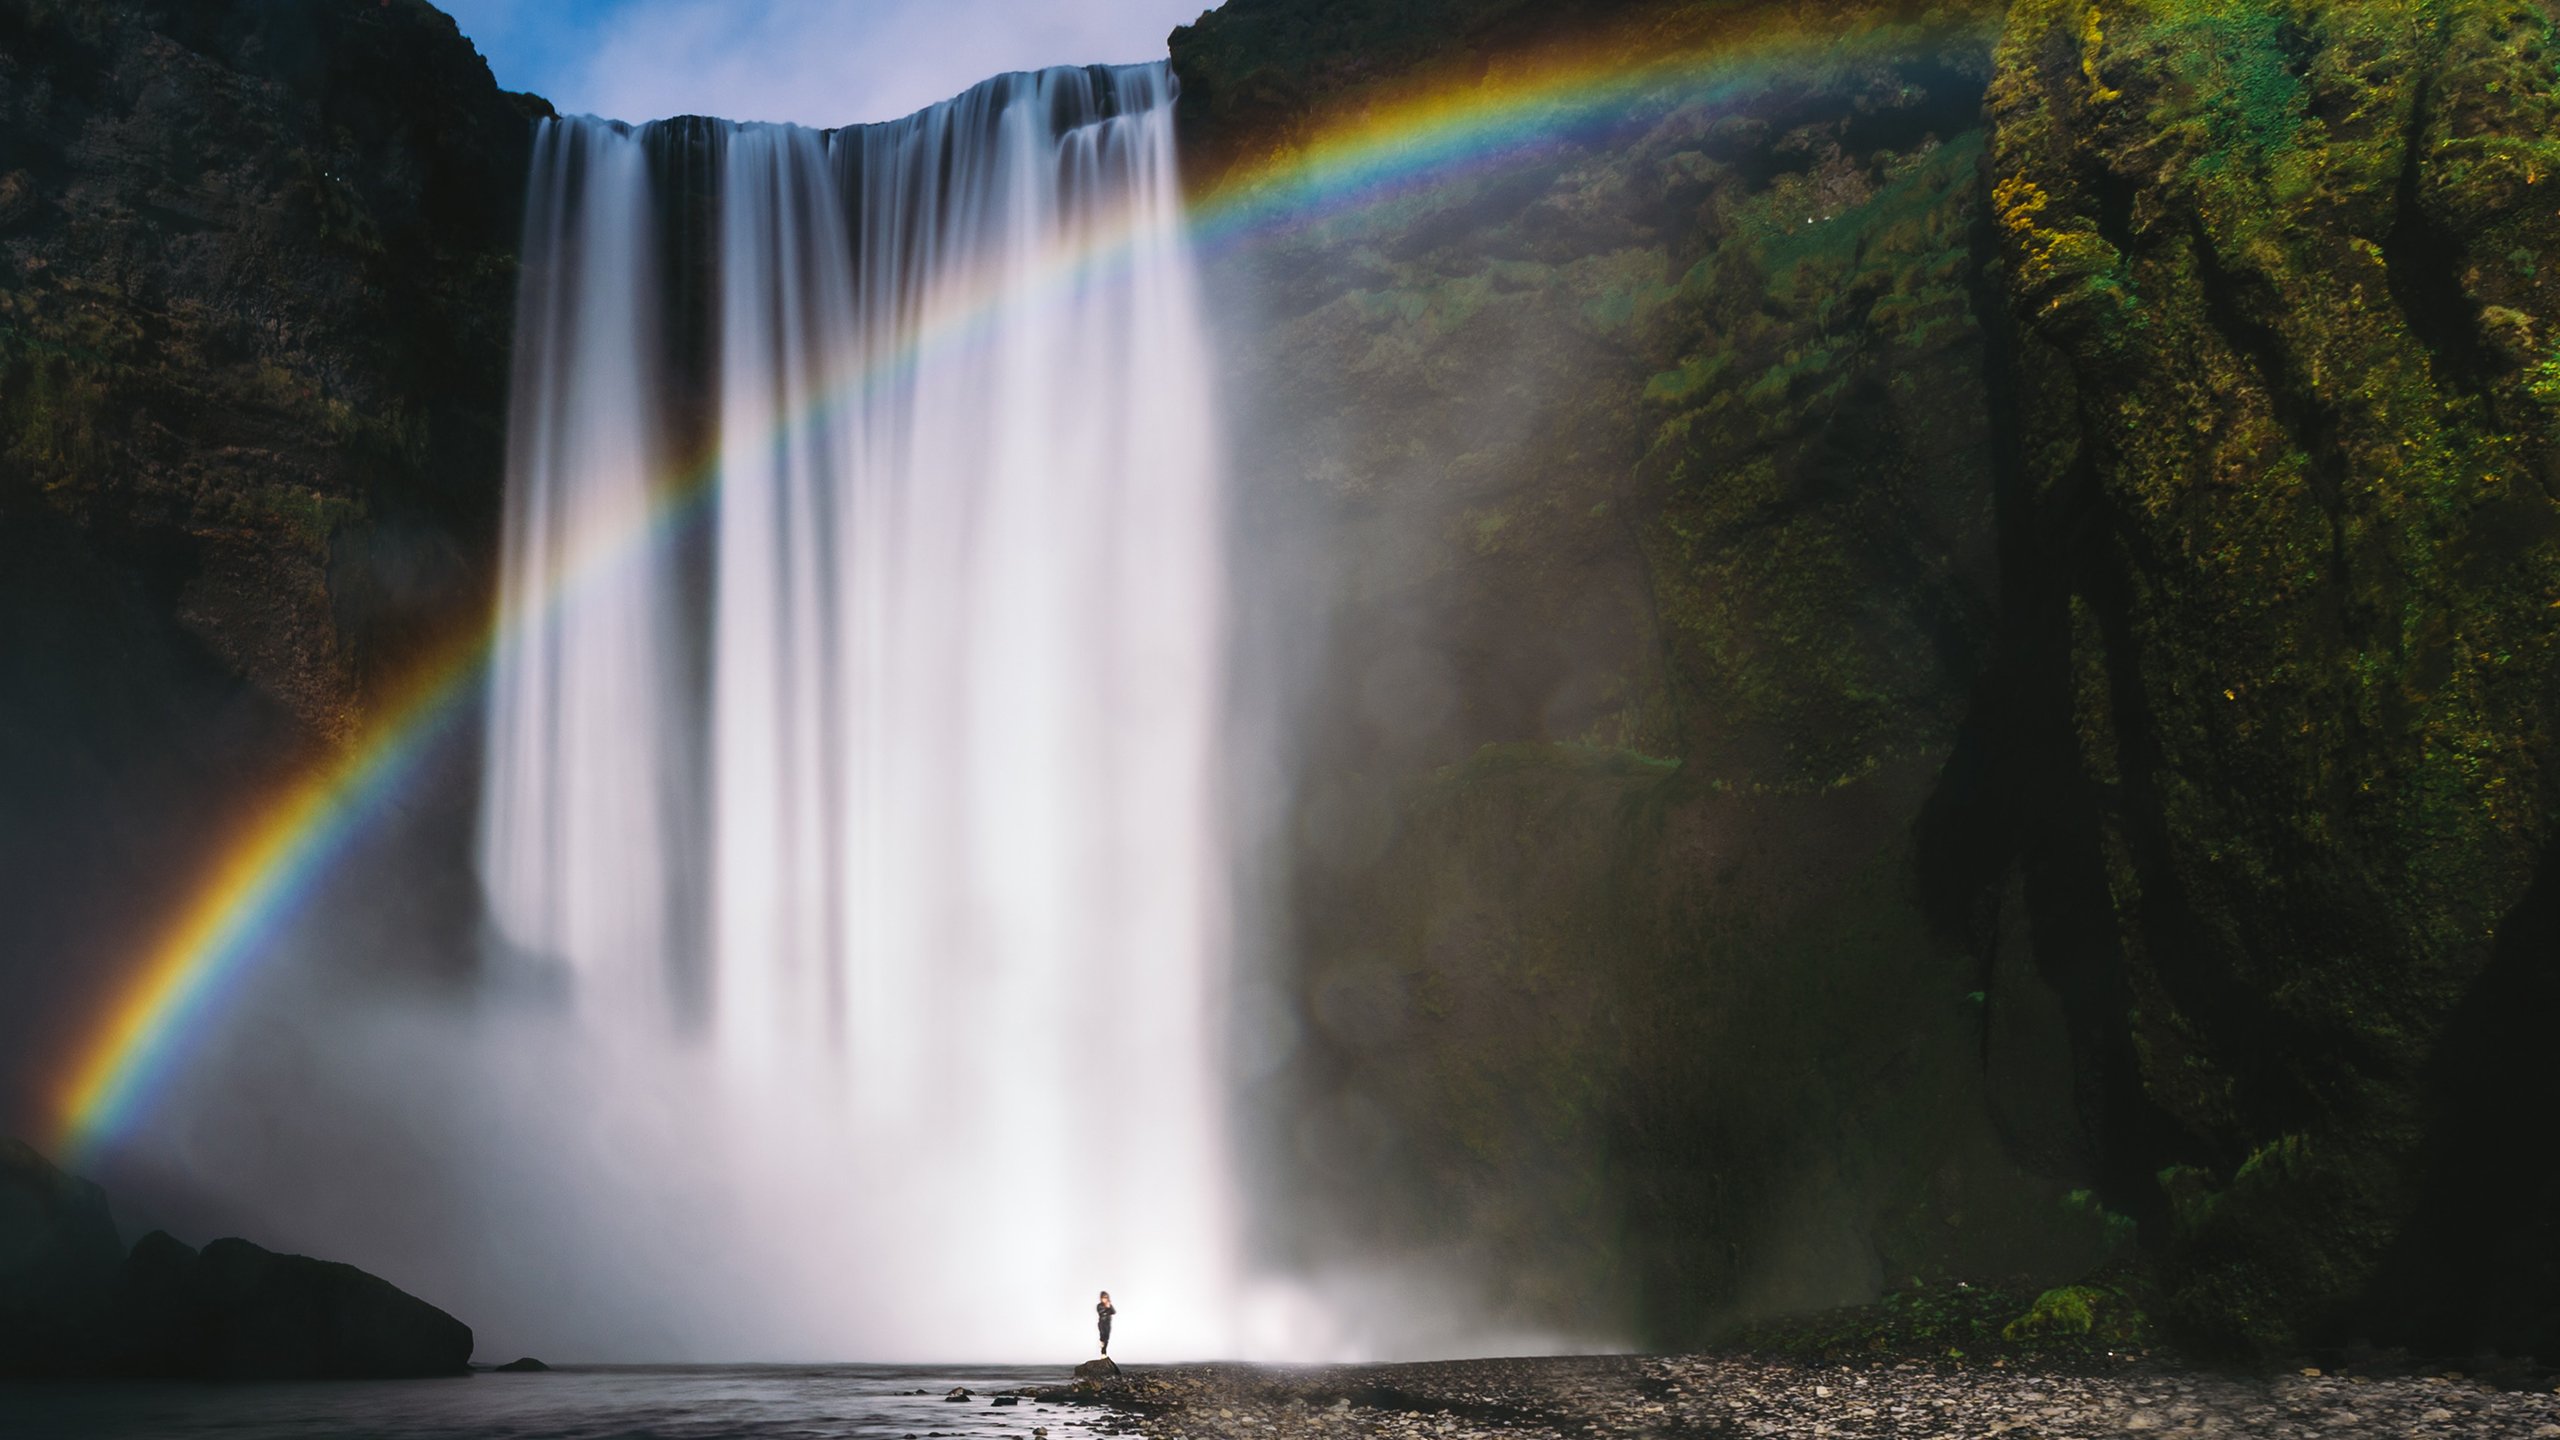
x=1930, y=649
x=261, y=276
x=256, y=288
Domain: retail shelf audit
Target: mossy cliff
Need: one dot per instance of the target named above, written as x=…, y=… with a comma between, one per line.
x=1925, y=651
x=256, y=289
x=2283, y=650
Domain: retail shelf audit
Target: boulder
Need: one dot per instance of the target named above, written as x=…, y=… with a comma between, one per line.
x=1103, y=1368
x=523, y=1365
x=58, y=1260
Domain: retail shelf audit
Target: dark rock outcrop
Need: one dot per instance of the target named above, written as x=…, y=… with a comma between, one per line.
x=239, y=1312
x=71, y=1303
x=521, y=1365
x=1099, y=1368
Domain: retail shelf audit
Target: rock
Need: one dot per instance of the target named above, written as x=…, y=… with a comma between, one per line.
x=237, y=1311
x=1097, y=1369
x=157, y=1320
x=958, y=1393
x=1006, y=1400
x=72, y=1303
x=58, y=1259
x=520, y=1366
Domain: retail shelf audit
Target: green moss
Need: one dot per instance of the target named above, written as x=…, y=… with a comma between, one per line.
x=2292, y=657
x=1827, y=406
x=2100, y=1322
x=2117, y=1234
x=2544, y=383
x=2064, y=1310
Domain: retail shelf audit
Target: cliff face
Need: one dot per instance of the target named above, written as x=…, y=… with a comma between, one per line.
x=1958, y=617
x=256, y=284
x=260, y=270
x=2286, y=654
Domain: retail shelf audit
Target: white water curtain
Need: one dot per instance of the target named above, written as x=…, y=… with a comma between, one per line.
x=953, y=734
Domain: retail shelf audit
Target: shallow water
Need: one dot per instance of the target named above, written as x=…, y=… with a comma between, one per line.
x=570, y=1403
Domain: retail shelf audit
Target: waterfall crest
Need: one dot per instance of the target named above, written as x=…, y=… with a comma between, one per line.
x=852, y=733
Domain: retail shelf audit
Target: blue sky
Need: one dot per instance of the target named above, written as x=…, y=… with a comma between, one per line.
x=818, y=62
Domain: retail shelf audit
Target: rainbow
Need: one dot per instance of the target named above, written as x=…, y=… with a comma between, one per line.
x=260, y=878
x=1397, y=143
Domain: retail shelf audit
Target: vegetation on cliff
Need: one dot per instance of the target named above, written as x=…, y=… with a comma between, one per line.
x=2018, y=556
x=2276, y=278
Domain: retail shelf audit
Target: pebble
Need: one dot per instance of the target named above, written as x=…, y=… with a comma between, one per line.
x=1582, y=1398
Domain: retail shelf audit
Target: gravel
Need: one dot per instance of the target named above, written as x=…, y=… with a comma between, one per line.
x=1702, y=1396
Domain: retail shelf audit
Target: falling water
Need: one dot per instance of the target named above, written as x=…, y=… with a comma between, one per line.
x=875, y=790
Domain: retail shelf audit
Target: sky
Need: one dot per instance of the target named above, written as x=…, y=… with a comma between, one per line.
x=816, y=62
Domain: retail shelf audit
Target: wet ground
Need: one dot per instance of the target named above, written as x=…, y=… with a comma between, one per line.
x=1705, y=1397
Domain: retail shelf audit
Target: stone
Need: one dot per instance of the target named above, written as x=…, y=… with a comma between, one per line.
x=958, y=1394
x=522, y=1365
x=1101, y=1368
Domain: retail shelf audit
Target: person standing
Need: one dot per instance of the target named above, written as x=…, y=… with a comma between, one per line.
x=1103, y=1310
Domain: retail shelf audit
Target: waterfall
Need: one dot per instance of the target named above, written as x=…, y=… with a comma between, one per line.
x=576, y=820
x=853, y=727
